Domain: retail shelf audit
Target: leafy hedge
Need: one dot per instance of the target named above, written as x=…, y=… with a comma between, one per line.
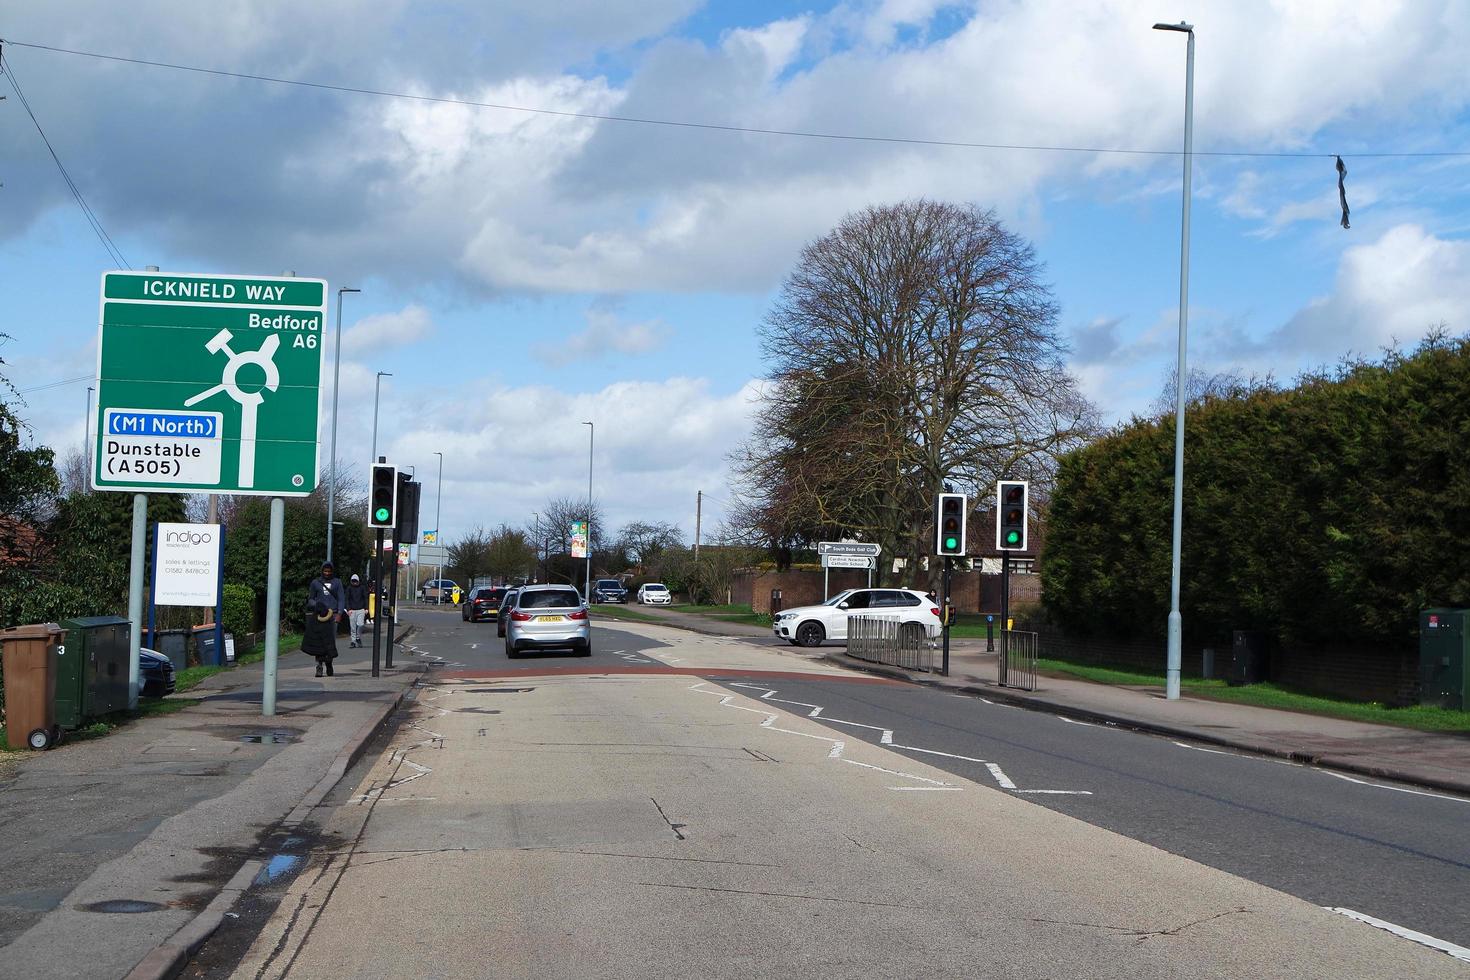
x=238, y=609
x=1335, y=510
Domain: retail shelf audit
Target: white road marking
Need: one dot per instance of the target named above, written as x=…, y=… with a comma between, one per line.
x=947, y=755
x=1073, y=721
x=1000, y=777
x=1458, y=952
x=1396, y=789
x=895, y=772
x=1201, y=748
x=1058, y=792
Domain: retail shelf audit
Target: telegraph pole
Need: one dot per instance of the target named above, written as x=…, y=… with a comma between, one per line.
x=698, y=514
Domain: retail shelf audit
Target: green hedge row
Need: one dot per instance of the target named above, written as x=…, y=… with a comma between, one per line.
x=1332, y=511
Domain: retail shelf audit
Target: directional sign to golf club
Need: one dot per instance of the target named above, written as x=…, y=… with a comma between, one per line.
x=209, y=383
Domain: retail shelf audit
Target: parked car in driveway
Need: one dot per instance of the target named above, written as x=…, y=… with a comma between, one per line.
x=609, y=590
x=155, y=674
x=437, y=590
x=654, y=594
x=482, y=603
x=503, y=613
x=808, y=626
x=547, y=616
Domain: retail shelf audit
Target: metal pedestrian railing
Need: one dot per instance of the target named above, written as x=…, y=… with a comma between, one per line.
x=1016, y=665
x=886, y=641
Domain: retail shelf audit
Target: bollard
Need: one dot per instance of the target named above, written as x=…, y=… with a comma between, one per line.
x=1207, y=663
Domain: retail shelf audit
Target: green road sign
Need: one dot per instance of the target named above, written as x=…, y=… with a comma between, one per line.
x=209, y=383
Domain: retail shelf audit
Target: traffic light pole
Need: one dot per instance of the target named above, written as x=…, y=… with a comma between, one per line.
x=944, y=611
x=1005, y=619
x=377, y=587
x=392, y=610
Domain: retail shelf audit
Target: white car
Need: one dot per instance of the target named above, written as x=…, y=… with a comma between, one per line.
x=655, y=594
x=808, y=626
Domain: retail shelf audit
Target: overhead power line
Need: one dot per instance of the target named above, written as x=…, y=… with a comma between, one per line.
x=53, y=384
x=718, y=127
x=8, y=69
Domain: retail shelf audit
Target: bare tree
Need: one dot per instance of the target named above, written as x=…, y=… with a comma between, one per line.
x=1204, y=386
x=914, y=347
x=509, y=553
x=469, y=557
x=644, y=541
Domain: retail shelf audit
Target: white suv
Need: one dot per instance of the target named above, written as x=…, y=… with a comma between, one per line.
x=808, y=626
x=655, y=594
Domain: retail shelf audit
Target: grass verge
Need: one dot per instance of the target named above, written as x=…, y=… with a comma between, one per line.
x=1422, y=718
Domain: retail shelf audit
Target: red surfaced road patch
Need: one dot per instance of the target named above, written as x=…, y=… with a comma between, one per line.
x=660, y=670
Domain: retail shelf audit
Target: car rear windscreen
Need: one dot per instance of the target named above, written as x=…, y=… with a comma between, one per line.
x=550, y=598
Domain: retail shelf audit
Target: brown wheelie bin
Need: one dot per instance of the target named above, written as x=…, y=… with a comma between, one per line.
x=30, y=685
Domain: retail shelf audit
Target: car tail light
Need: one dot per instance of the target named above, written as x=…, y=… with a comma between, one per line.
x=579, y=614
x=934, y=611
x=520, y=617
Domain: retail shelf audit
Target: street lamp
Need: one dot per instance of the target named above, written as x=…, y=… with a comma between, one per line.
x=336, y=390
x=438, y=528
x=591, y=432
x=377, y=389
x=1176, y=621
x=536, y=570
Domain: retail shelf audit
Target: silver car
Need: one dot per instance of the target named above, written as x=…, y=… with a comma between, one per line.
x=548, y=616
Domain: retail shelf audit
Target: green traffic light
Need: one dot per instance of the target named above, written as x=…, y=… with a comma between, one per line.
x=381, y=515
x=951, y=544
x=1013, y=537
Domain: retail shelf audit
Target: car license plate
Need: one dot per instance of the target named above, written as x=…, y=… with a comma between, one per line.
x=549, y=619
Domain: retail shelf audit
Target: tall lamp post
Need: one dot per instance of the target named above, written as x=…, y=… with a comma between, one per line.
x=591, y=433
x=438, y=528
x=377, y=390
x=336, y=390
x=536, y=565
x=1176, y=621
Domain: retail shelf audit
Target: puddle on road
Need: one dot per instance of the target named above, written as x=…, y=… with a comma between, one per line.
x=278, y=867
x=124, y=905
x=271, y=738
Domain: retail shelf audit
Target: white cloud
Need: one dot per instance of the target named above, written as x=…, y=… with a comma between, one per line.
x=1388, y=292
x=507, y=450
x=606, y=333
x=386, y=330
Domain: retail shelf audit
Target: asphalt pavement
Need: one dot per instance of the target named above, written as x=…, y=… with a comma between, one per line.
x=473, y=771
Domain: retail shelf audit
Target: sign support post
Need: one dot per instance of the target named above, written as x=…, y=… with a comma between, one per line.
x=153, y=596
x=392, y=609
x=219, y=599
x=273, y=606
x=135, y=594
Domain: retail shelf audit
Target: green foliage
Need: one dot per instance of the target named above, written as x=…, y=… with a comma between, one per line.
x=303, y=547
x=238, y=609
x=1335, y=510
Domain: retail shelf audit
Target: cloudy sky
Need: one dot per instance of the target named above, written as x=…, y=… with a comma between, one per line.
x=525, y=271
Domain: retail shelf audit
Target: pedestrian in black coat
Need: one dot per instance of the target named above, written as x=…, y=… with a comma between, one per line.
x=320, y=638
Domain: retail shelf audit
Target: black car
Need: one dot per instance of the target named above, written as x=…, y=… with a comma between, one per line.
x=155, y=674
x=507, y=603
x=483, y=603
x=609, y=590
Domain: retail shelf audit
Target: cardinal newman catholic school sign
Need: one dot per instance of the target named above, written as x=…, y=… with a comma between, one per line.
x=209, y=383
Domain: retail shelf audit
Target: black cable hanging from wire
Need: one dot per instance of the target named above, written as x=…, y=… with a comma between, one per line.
x=7, y=68
x=1342, y=191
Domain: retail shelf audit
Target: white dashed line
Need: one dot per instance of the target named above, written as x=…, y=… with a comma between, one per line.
x=1000, y=777
x=1396, y=789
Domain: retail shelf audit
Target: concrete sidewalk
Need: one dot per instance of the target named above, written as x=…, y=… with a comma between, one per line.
x=1431, y=759
x=125, y=850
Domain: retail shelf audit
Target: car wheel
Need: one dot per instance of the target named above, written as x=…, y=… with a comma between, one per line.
x=585, y=651
x=810, y=634
x=500, y=631
x=912, y=632
x=510, y=651
x=39, y=739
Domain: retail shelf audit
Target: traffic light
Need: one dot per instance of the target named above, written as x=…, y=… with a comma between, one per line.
x=949, y=524
x=1010, y=514
x=383, y=496
x=408, y=510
